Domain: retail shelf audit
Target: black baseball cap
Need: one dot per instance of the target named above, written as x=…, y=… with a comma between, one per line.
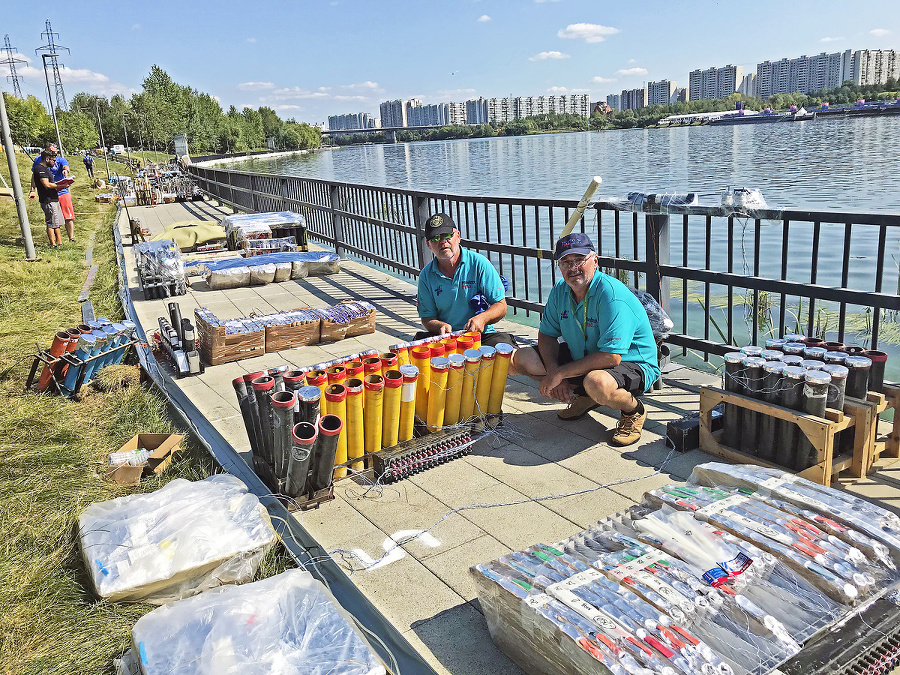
x=577, y=242
x=439, y=223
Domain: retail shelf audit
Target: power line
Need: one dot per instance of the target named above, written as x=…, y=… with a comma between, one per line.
x=52, y=49
x=11, y=60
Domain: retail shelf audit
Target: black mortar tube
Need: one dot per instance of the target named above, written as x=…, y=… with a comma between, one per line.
x=264, y=386
x=308, y=403
x=240, y=388
x=283, y=423
x=858, y=379
x=786, y=431
x=330, y=428
x=815, y=400
x=734, y=364
x=293, y=381
x=773, y=372
x=303, y=439
x=175, y=316
x=753, y=374
x=254, y=412
x=876, y=374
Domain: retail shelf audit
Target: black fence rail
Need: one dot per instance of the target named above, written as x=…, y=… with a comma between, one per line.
x=726, y=278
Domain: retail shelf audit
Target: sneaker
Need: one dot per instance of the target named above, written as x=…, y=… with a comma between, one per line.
x=628, y=430
x=579, y=406
x=71, y=238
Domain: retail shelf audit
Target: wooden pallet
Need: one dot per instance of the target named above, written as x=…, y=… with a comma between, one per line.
x=820, y=431
x=888, y=446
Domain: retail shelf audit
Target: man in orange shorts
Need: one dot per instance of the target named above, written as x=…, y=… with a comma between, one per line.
x=60, y=170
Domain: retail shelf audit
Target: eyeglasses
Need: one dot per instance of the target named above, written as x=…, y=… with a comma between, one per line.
x=570, y=264
x=441, y=237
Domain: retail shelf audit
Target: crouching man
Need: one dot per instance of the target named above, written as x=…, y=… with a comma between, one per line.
x=609, y=356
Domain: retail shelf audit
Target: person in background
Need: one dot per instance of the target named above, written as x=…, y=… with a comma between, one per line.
x=60, y=170
x=450, y=286
x=89, y=163
x=42, y=180
x=609, y=356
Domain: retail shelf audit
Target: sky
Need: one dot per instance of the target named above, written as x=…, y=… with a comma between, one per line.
x=311, y=59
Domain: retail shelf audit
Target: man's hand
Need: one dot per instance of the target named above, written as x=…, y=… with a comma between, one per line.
x=31, y=195
x=446, y=328
x=552, y=386
x=476, y=324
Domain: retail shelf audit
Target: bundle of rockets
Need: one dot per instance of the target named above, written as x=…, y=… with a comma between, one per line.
x=310, y=425
x=729, y=574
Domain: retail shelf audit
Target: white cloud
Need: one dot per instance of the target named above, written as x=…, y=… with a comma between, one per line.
x=255, y=86
x=293, y=94
x=455, y=94
x=603, y=80
x=216, y=99
x=484, y=18
x=631, y=61
x=344, y=97
x=251, y=40
x=91, y=81
x=632, y=71
x=831, y=39
x=288, y=107
x=544, y=56
x=880, y=32
x=360, y=86
x=565, y=90
x=590, y=32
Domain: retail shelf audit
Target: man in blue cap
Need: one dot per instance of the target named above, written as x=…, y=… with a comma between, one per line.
x=608, y=356
x=459, y=289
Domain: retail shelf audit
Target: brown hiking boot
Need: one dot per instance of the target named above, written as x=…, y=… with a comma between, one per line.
x=628, y=430
x=579, y=406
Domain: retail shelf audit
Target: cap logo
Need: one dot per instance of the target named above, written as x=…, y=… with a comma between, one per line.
x=437, y=221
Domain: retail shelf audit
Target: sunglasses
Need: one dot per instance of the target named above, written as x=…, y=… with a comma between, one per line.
x=566, y=265
x=441, y=237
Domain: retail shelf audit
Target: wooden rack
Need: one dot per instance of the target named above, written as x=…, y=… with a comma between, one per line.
x=887, y=446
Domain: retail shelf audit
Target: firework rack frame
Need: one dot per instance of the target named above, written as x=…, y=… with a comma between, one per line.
x=887, y=446
x=861, y=415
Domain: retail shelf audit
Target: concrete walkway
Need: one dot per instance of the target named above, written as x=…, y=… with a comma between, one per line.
x=424, y=587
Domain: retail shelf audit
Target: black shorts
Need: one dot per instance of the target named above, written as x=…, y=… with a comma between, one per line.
x=629, y=376
x=487, y=339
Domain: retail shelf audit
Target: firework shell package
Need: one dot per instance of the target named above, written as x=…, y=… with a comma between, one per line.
x=184, y=538
x=287, y=624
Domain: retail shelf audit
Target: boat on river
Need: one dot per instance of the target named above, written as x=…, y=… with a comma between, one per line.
x=765, y=117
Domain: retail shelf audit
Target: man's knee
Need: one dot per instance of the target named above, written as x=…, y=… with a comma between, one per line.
x=600, y=386
x=527, y=362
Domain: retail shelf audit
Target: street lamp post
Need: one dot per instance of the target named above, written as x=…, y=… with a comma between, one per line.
x=127, y=149
x=102, y=142
x=44, y=57
x=141, y=133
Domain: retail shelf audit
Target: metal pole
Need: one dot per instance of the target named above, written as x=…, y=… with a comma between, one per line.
x=52, y=107
x=127, y=151
x=102, y=142
x=141, y=133
x=16, y=185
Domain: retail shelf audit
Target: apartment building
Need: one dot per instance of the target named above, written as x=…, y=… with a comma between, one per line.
x=714, y=82
x=632, y=99
x=661, y=93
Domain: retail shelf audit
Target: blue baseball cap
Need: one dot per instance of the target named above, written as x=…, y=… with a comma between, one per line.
x=577, y=242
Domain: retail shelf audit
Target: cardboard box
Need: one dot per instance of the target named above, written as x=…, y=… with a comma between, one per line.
x=163, y=447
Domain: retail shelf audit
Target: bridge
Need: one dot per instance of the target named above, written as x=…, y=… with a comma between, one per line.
x=389, y=132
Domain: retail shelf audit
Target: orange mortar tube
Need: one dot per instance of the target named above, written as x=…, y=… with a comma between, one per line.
x=59, y=346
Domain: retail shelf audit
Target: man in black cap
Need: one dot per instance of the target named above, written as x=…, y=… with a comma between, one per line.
x=609, y=355
x=459, y=289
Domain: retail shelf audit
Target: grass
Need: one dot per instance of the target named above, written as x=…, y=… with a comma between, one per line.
x=52, y=450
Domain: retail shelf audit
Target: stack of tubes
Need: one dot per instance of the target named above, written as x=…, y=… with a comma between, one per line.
x=798, y=373
x=91, y=347
x=374, y=399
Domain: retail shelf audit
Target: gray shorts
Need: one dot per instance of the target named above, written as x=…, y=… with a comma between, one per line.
x=629, y=376
x=53, y=215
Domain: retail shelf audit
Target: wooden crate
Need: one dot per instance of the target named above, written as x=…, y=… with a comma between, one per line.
x=362, y=325
x=819, y=430
x=295, y=335
x=217, y=348
x=887, y=447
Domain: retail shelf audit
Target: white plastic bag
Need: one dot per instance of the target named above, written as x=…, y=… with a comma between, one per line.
x=180, y=540
x=283, y=271
x=234, y=277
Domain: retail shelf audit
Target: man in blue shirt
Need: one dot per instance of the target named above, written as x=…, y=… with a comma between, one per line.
x=449, y=286
x=60, y=170
x=609, y=356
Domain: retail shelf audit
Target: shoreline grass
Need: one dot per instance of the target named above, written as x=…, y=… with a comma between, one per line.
x=52, y=450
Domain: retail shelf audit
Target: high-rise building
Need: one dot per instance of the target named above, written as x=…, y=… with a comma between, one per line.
x=477, y=111
x=714, y=82
x=680, y=95
x=748, y=85
x=660, y=93
x=614, y=101
x=393, y=113
x=351, y=121
x=809, y=74
x=869, y=66
x=633, y=99
x=457, y=113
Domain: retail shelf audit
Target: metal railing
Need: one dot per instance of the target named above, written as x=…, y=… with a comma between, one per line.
x=725, y=278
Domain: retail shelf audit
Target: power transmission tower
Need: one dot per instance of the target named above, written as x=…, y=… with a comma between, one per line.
x=52, y=48
x=11, y=61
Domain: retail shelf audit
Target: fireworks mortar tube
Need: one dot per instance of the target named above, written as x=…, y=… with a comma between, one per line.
x=322, y=475
x=373, y=413
x=437, y=394
x=57, y=348
x=425, y=341
x=389, y=361
x=734, y=366
x=454, y=389
x=483, y=388
x=420, y=356
x=787, y=434
x=337, y=404
x=263, y=387
x=858, y=379
x=255, y=433
x=498, y=380
x=294, y=380
x=240, y=388
x=773, y=372
x=450, y=346
x=355, y=426
x=303, y=439
x=402, y=352
x=437, y=349
x=87, y=347
x=123, y=337
x=309, y=402
x=476, y=339
x=112, y=339
x=464, y=342
x=753, y=370
x=282, y=403
x=355, y=369
x=390, y=428
x=102, y=345
x=876, y=374
x=278, y=374
x=815, y=400
x=470, y=384
x=319, y=378
x=408, y=402
x=73, y=334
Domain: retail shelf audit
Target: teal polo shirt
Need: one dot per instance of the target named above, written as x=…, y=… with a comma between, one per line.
x=448, y=299
x=614, y=322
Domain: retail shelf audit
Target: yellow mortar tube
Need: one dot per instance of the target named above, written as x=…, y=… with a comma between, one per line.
x=476, y=339
x=374, y=395
x=355, y=426
x=389, y=361
x=319, y=378
x=402, y=352
x=483, y=388
x=454, y=389
x=372, y=365
x=469, y=384
x=437, y=394
x=420, y=356
x=390, y=427
x=498, y=379
x=337, y=405
x=408, y=402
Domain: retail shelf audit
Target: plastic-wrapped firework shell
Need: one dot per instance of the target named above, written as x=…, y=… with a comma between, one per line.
x=812, y=364
x=791, y=360
x=773, y=372
x=815, y=400
x=751, y=350
x=793, y=337
x=753, y=384
x=786, y=434
x=734, y=365
x=858, y=379
x=815, y=353
x=772, y=354
x=775, y=343
x=876, y=374
x=838, y=386
x=794, y=348
x=835, y=357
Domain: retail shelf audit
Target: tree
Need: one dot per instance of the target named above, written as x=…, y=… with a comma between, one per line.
x=77, y=131
x=29, y=122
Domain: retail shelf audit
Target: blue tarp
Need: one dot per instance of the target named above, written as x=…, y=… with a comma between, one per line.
x=267, y=258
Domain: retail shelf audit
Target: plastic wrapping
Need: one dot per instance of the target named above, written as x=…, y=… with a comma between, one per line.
x=262, y=274
x=660, y=323
x=249, y=223
x=160, y=262
x=639, y=201
x=178, y=541
x=287, y=624
x=299, y=269
x=254, y=247
x=235, y=277
x=283, y=272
